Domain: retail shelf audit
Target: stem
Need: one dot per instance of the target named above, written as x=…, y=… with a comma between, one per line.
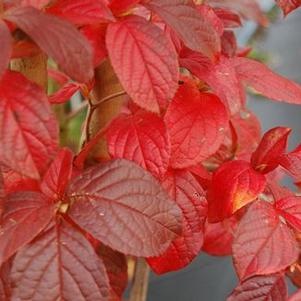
x=140, y=282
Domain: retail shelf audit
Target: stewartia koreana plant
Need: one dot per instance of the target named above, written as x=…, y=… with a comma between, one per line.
x=172, y=161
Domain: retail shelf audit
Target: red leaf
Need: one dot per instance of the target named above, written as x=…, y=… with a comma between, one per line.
x=5, y=289
x=105, y=198
x=229, y=46
x=192, y=27
x=296, y=296
x=234, y=185
x=59, y=39
x=288, y=5
x=6, y=48
x=64, y=93
x=218, y=237
x=58, y=175
x=141, y=138
x=195, y=126
x=35, y=3
x=82, y=12
x=272, y=146
x=59, y=265
x=152, y=77
x=262, y=243
x=116, y=268
x=272, y=288
x=228, y=17
x=266, y=82
x=185, y=190
x=119, y=7
x=26, y=214
x=28, y=128
x=290, y=208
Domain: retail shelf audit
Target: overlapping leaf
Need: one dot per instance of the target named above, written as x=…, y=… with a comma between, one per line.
x=196, y=123
x=6, y=49
x=26, y=214
x=271, y=148
x=190, y=197
x=65, y=267
x=59, y=39
x=141, y=138
x=116, y=199
x=234, y=185
x=152, y=77
x=256, y=247
x=28, y=130
x=272, y=288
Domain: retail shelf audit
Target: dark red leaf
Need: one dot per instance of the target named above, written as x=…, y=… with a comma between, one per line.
x=184, y=189
x=6, y=47
x=106, y=197
x=58, y=175
x=272, y=146
x=192, y=27
x=82, y=12
x=141, y=138
x=59, y=39
x=296, y=296
x=290, y=208
x=266, y=82
x=262, y=243
x=229, y=46
x=152, y=77
x=26, y=214
x=260, y=288
x=5, y=289
x=116, y=268
x=288, y=5
x=196, y=127
x=234, y=185
x=28, y=132
x=64, y=93
x=59, y=265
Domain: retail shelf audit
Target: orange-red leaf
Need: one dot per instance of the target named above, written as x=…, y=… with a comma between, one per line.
x=152, y=77
x=288, y=5
x=234, y=185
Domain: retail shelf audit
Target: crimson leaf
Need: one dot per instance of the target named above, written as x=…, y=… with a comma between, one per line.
x=271, y=148
x=59, y=39
x=234, y=185
x=185, y=190
x=105, y=198
x=193, y=28
x=256, y=247
x=6, y=49
x=65, y=267
x=272, y=288
x=195, y=126
x=141, y=138
x=152, y=77
x=26, y=214
x=28, y=129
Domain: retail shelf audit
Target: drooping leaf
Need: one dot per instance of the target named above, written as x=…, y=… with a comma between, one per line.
x=116, y=268
x=288, y=5
x=272, y=146
x=290, y=208
x=229, y=18
x=256, y=247
x=28, y=129
x=141, y=138
x=82, y=12
x=271, y=287
x=184, y=189
x=25, y=215
x=266, y=82
x=60, y=264
x=57, y=177
x=193, y=28
x=106, y=197
x=64, y=93
x=195, y=122
x=59, y=39
x=152, y=77
x=234, y=185
x=6, y=47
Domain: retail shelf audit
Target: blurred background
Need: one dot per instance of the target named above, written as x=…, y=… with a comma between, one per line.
x=279, y=45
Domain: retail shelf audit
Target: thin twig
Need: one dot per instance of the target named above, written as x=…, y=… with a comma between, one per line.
x=109, y=97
